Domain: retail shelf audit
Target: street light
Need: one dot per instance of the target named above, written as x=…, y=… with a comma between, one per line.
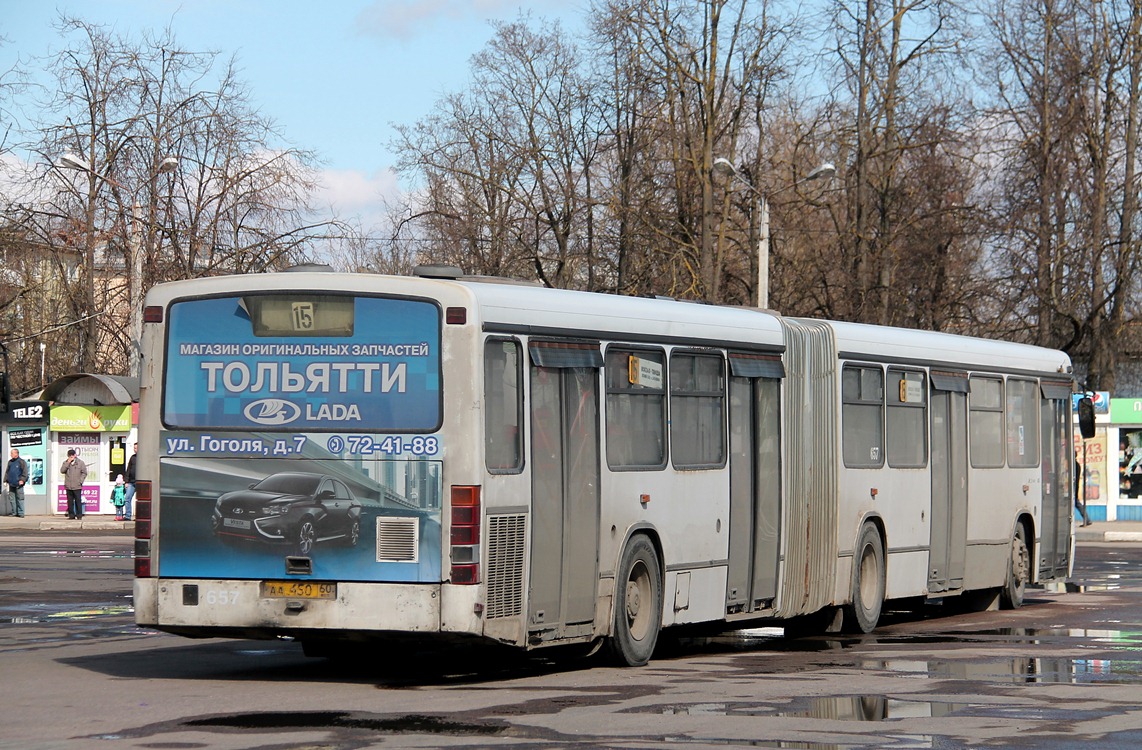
x=134, y=246
x=824, y=171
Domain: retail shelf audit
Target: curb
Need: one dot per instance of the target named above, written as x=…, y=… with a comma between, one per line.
x=1122, y=536
x=72, y=525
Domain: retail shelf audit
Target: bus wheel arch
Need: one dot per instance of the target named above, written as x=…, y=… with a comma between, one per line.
x=869, y=579
x=1019, y=565
x=637, y=605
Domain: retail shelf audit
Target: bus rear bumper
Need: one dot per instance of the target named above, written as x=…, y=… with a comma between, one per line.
x=216, y=606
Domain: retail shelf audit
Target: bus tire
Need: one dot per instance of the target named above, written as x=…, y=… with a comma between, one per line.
x=1018, y=571
x=637, y=604
x=863, y=612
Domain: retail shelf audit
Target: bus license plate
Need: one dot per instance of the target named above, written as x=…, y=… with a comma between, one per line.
x=298, y=590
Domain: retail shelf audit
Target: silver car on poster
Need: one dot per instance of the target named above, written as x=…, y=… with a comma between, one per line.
x=295, y=509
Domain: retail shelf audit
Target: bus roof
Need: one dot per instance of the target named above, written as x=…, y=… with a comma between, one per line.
x=887, y=344
x=539, y=311
x=528, y=309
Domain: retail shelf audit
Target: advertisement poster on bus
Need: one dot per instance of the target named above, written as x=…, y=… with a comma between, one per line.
x=229, y=511
x=378, y=369
x=300, y=436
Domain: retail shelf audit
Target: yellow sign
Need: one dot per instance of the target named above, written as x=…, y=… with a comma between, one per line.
x=90, y=419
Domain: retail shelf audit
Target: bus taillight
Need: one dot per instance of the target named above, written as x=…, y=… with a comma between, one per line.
x=142, y=528
x=465, y=535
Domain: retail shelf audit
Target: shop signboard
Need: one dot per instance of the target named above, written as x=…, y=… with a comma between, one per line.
x=1126, y=411
x=26, y=413
x=73, y=418
x=1100, y=400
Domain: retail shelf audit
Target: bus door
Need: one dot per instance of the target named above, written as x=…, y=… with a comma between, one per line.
x=565, y=489
x=949, y=515
x=1058, y=480
x=755, y=483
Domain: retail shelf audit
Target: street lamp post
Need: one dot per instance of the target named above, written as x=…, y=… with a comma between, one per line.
x=134, y=249
x=825, y=171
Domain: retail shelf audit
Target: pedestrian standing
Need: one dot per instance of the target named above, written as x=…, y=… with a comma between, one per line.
x=16, y=476
x=1080, y=501
x=118, y=494
x=129, y=487
x=74, y=472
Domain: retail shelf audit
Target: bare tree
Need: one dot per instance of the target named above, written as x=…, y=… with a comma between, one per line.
x=507, y=164
x=896, y=62
x=712, y=63
x=1066, y=229
x=126, y=112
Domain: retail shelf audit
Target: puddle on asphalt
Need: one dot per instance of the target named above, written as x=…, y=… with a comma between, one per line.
x=1086, y=588
x=1019, y=670
x=409, y=724
x=69, y=615
x=864, y=708
x=1114, y=637
x=838, y=708
x=99, y=554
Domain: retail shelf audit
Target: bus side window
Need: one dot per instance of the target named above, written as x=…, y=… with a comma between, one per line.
x=985, y=422
x=697, y=411
x=862, y=416
x=907, y=419
x=636, y=408
x=1022, y=423
x=503, y=406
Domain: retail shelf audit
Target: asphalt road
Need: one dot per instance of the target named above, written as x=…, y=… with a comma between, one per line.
x=1064, y=671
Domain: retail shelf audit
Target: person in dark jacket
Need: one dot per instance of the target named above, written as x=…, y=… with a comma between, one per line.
x=1080, y=501
x=16, y=476
x=129, y=487
x=74, y=471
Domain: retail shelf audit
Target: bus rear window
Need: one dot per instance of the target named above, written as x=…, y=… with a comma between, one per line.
x=300, y=314
x=362, y=363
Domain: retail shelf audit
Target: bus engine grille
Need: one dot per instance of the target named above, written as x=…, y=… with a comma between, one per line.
x=506, y=537
x=398, y=539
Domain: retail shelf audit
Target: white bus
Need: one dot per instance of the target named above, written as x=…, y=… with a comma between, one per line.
x=347, y=457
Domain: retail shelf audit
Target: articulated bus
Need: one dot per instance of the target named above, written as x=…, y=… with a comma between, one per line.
x=342, y=458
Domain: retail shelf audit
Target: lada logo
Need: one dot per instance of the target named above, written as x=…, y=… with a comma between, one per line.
x=271, y=411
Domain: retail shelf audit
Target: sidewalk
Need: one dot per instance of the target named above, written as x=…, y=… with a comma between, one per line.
x=63, y=523
x=1110, y=531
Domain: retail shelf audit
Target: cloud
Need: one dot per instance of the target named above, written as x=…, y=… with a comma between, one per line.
x=353, y=194
x=404, y=20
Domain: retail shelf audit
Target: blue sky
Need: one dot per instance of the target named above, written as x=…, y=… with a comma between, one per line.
x=334, y=74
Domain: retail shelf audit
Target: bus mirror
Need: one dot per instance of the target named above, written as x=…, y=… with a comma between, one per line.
x=1086, y=418
x=5, y=396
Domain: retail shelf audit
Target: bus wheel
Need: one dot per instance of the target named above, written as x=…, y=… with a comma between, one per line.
x=306, y=536
x=637, y=605
x=868, y=583
x=1018, y=571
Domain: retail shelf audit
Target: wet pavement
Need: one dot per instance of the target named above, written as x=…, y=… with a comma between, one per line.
x=1064, y=671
